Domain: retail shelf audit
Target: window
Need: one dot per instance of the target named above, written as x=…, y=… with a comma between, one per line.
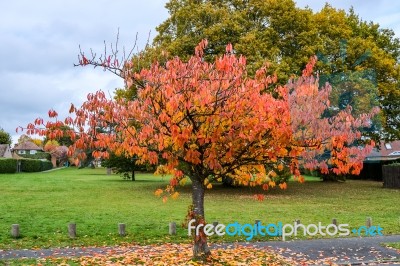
x=32, y=152
x=388, y=146
x=21, y=152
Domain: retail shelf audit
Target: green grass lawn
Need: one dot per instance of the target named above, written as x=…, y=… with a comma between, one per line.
x=44, y=203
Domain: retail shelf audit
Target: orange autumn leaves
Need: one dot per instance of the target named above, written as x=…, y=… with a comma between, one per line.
x=217, y=121
x=175, y=254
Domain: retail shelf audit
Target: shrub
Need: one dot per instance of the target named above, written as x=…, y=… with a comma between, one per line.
x=8, y=165
x=46, y=165
x=31, y=165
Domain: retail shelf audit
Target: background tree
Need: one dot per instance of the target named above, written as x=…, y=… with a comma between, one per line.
x=284, y=36
x=38, y=142
x=212, y=120
x=24, y=138
x=122, y=164
x=5, y=138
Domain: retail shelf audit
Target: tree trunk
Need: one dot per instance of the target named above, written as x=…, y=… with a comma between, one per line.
x=133, y=175
x=200, y=248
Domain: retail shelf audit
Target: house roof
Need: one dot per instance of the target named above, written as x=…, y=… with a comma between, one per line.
x=28, y=145
x=389, y=147
x=3, y=149
x=382, y=154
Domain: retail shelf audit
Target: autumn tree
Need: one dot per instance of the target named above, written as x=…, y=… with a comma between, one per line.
x=213, y=120
x=285, y=36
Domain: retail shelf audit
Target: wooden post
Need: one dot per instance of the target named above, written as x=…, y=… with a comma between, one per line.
x=172, y=228
x=72, y=230
x=215, y=225
x=108, y=171
x=334, y=221
x=121, y=229
x=369, y=222
x=15, y=230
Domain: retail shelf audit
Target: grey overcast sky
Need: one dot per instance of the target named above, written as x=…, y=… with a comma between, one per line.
x=39, y=44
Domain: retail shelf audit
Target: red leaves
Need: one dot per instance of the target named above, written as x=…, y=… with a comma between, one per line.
x=52, y=113
x=259, y=197
x=84, y=61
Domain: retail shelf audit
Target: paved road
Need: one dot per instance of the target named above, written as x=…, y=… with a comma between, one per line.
x=355, y=251
x=345, y=251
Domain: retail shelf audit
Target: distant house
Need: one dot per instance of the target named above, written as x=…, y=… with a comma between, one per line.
x=387, y=153
x=27, y=147
x=5, y=151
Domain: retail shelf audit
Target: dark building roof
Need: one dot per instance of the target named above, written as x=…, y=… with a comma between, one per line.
x=385, y=153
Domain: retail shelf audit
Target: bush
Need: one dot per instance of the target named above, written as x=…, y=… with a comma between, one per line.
x=46, y=165
x=30, y=165
x=27, y=165
x=8, y=165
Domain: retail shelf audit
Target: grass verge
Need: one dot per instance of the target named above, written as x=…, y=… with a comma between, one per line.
x=44, y=203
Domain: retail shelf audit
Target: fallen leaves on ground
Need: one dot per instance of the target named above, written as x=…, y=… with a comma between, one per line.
x=174, y=254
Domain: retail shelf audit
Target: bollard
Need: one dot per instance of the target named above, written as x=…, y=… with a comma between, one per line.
x=172, y=228
x=108, y=171
x=215, y=225
x=334, y=221
x=121, y=229
x=15, y=230
x=72, y=230
x=369, y=222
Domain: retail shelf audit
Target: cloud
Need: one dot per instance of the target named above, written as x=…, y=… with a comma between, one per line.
x=385, y=12
x=40, y=44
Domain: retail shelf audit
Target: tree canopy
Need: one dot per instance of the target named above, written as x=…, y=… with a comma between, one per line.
x=284, y=36
x=5, y=137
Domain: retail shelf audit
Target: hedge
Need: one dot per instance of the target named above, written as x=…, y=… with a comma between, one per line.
x=30, y=165
x=27, y=165
x=37, y=156
x=8, y=165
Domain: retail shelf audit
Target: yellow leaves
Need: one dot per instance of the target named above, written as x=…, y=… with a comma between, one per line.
x=280, y=167
x=183, y=181
x=165, y=198
x=283, y=185
x=271, y=184
x=209, y=186
x=158, y=192
x=175, y=195
x=272, y=174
